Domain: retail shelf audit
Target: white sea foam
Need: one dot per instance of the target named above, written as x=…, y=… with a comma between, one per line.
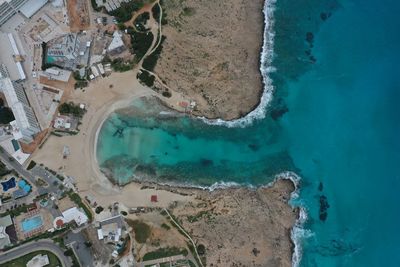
x=298, y=232
x=265, y=68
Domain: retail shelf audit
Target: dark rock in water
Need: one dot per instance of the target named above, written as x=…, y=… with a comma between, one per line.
x=324, y=16
x=309, y=37
x=206, y=162
x=119, y=133
x=308, y=52
x=165, y=153
x=313, y=59
x=320, y=186
x=323, y=208
x=278, y=112
x=176, y=147
x=254, y=147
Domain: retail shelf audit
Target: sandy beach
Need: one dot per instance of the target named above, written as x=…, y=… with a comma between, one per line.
x=101, y=98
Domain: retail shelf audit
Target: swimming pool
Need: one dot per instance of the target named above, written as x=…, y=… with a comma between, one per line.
x=32, y=223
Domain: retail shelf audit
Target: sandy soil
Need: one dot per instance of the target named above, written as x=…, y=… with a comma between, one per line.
x=212, y=54
x=78, y=13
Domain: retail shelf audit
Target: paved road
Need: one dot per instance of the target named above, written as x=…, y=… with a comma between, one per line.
x=77, y=242
x=43, y=244
x=14, y=164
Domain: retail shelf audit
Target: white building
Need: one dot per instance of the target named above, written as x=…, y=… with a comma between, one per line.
x=11, y=57
x=26, y=123
x=117, y=43
x=74, y=214
x=28, y=8
x=57, y=74
x=9, y=8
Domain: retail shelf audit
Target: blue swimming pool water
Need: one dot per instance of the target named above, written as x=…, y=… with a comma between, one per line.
x=31, y=223
x=7, y=185
x=334, y=120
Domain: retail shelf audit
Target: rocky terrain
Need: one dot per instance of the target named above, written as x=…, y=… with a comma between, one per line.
x=211, y=54
x=242, y=227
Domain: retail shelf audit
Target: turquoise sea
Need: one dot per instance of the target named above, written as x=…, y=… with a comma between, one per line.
x=334, y=120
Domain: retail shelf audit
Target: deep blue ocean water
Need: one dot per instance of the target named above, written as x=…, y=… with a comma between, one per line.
x=340, y=86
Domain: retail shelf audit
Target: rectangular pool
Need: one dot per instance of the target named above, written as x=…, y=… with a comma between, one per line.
x=32, y=223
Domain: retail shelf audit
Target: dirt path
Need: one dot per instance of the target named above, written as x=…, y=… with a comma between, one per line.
x=159, y=28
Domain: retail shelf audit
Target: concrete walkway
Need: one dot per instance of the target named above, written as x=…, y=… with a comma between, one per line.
x=161, y=260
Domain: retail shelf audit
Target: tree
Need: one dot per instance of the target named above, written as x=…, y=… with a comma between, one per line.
x=68, y=252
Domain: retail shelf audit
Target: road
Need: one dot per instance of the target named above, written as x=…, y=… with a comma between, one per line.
x=43, y=244
x=77, y=242
x=14, y=164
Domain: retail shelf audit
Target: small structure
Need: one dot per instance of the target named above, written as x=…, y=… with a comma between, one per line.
x=38, y=261
x=5, y=223
x=56, y=74
x=154, y=198
x=110, y=229
x=117, y=44
x=66, y=123
x=75, y=214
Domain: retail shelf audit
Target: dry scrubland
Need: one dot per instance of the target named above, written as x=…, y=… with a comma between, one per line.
x=211, y=54
x=241, y=227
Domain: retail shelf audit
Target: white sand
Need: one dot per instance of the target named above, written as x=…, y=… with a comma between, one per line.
x=101, y=100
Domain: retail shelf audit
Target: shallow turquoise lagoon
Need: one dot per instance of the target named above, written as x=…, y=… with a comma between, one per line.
x=338, y=79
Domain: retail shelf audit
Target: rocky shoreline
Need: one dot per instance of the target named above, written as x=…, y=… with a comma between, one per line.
x=208, y=56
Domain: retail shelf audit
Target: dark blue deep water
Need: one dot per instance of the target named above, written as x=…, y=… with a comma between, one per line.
x=334, y=120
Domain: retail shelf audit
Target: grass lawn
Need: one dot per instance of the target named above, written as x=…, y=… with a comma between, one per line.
x=22, y=261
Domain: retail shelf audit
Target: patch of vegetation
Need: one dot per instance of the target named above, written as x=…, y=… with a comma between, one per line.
x=3, y=169
x=165, y=226
x=199, y=215
x=141, y=42
x=95, y=6
x=71, y=108
x=125, y=11
x=146, y=78
x=189, y=11
x=166, y=94
x=120, y=65
x=23, y=260
x=141, y=21
x=16, y=210
x=141, y=229
x=31, y=165
x=156, y=14
x=150, y=62
x=165, y=252
x=99, y=209
x=6, y=114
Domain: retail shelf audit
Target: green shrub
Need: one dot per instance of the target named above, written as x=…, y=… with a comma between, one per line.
x=150, y=62
x=141, y=42
x=146, y=78
x=31, y=165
